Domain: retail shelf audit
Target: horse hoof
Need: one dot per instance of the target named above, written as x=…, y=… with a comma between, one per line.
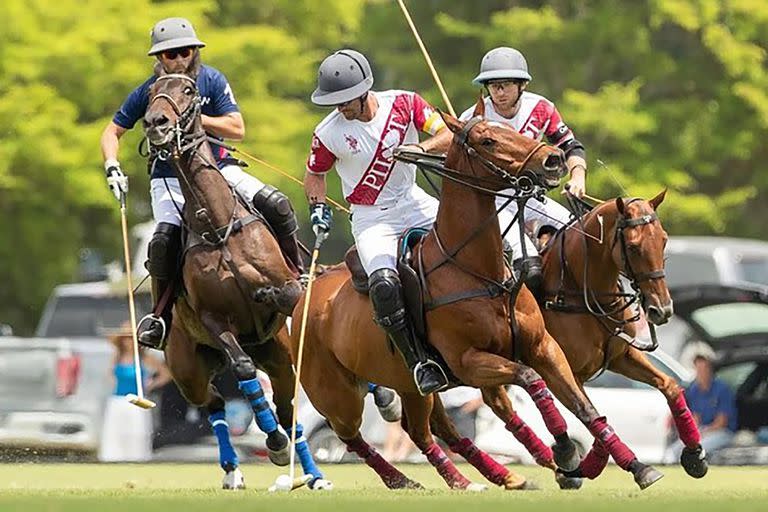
x=403, y=483
x=233, y=480
x=277, y=449
x=568, y=482
x=473, y=487
x=321, y=484
x=566, y=455
x=515, y=482
x=694, y=461
x=646, y=476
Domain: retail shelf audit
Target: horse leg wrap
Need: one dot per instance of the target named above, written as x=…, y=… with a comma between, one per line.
x=605, y=434
x=686, y=425
x=437, y=457
x=388, y=473
x=489, y=468
x=227, y=455
x=265, y=418
x=543, y=399
x=528, y=438
x=305, y=456
x=594, y=462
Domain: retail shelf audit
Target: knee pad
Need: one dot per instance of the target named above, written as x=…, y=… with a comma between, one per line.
x=277, y=209
x=385, y=290
x=164, y=251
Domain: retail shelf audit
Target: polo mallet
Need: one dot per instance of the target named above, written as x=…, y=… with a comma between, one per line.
x=138, y=400
x=290, y=481
x=427, y=58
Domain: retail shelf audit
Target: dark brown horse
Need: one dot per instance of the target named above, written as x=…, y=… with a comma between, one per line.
x=462, y=256
x=592, y=319
x=238, y=287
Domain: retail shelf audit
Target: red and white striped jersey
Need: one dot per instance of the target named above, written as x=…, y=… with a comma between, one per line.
x=537, y=117
x=362, y=151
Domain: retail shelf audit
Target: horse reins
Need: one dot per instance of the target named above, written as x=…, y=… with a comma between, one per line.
x=621, y=300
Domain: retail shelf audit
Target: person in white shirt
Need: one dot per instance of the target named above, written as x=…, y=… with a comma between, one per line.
x=505, y=77
x=359, y=138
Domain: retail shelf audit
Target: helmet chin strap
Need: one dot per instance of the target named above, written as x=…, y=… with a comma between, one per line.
x=363, y=99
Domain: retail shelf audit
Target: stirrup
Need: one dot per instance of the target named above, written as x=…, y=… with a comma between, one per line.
x=148, y=322
x=442, y=379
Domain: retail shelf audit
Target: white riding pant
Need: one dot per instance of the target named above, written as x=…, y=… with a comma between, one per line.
x=376, y=229
x=167, y=200
x=548, y=213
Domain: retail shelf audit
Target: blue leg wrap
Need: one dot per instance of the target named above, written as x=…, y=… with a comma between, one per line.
x=305, y=456
x=227, y=455
x=372, y=387
x=265, y=418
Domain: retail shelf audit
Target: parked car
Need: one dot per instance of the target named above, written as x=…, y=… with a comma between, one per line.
x=52, y=392
x=695, y=260
x=53, y=387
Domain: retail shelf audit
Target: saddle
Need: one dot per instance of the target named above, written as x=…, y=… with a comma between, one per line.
x=413, y=293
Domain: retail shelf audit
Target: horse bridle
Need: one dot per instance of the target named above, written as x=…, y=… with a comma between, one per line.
x=621, y=301
x=179, y=142
x=627, y=269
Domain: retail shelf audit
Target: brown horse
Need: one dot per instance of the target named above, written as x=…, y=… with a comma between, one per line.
x=472, y=328
x=238, y=287
x=592, y=319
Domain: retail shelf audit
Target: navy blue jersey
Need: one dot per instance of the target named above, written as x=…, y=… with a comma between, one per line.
x=217, y=100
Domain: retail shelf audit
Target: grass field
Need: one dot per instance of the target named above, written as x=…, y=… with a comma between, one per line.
x=195, y=487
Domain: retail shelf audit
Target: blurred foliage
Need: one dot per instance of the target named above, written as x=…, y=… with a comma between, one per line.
x=664, y=93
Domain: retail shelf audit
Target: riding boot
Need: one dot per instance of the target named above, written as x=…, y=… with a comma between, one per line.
x=386, y=294
x=278, y=212
x=530, y=269
x=164, y=255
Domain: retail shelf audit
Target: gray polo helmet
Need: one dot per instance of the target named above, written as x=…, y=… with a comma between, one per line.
x=172, y=33
x=343, y=76
x=502, y=63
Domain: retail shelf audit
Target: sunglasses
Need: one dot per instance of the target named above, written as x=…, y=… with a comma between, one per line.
x=177, y=52
x=342, y=105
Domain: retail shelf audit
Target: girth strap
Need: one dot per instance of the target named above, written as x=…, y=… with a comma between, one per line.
x=491, y=291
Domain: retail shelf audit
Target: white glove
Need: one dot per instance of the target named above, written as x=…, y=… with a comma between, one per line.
x=117, y=181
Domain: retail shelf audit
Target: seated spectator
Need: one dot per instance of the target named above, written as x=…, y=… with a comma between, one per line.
x=713, y=406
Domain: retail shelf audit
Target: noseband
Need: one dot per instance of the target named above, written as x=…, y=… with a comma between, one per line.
x=185, y=118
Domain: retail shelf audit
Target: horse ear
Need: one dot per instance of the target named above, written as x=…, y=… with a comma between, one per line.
x=451, y=122
x=479, y=107
x=656, y=201
x=620, y=205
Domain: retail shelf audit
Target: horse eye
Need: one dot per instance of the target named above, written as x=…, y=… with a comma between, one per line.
x=487, y=142
x=188, y=91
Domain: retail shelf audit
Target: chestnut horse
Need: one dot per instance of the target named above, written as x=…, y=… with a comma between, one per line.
x=238, y=287
x=592, y=319
x=472, y=329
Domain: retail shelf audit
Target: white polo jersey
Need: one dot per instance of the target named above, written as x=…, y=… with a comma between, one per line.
x=536, y=118
x=362, y=152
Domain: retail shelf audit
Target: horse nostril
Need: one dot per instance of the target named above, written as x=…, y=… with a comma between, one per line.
x=155, y=120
